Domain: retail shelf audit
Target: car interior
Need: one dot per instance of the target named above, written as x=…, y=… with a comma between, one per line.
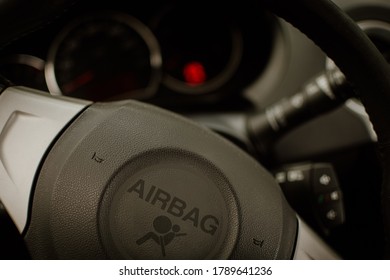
x=129, y=129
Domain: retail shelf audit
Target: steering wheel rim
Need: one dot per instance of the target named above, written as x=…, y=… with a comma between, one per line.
x=344, y=42
x=321, y=21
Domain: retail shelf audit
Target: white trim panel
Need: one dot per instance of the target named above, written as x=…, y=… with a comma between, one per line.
x=29, y=121
x=310, y=246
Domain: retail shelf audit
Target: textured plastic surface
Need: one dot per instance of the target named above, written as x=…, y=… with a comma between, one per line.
x=119, y=167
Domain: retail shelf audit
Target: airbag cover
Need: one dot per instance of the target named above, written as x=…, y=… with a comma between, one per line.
x=129, y=180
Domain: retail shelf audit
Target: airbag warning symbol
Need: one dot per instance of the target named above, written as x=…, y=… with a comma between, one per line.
x=164, y=233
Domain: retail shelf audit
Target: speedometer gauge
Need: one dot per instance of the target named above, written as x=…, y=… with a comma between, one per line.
x=104, y=57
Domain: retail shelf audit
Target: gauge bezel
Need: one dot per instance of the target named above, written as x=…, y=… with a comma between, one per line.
x=140, y=28
x=376, y=28
x=216, y=82
x=27, y=65
x=25, y=59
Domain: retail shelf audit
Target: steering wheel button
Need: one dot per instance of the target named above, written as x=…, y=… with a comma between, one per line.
x=324, y=178
x=281, y=177
x=295, y=176
x=334, y=196
x=331, y=215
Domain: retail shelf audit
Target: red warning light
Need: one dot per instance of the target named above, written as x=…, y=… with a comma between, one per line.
x=194, y=73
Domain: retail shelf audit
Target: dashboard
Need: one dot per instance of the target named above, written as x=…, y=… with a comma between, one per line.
x=199, y=57
x=172, y=55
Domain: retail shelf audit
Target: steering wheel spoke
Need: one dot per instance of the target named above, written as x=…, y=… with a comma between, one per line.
x=29, y=122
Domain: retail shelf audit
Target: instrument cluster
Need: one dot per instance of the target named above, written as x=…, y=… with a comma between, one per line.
x=171, y=54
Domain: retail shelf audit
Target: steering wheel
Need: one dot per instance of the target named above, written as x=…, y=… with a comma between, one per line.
x=129, y=180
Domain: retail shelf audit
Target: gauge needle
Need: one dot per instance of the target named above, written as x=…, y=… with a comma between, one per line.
x=79, y=81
